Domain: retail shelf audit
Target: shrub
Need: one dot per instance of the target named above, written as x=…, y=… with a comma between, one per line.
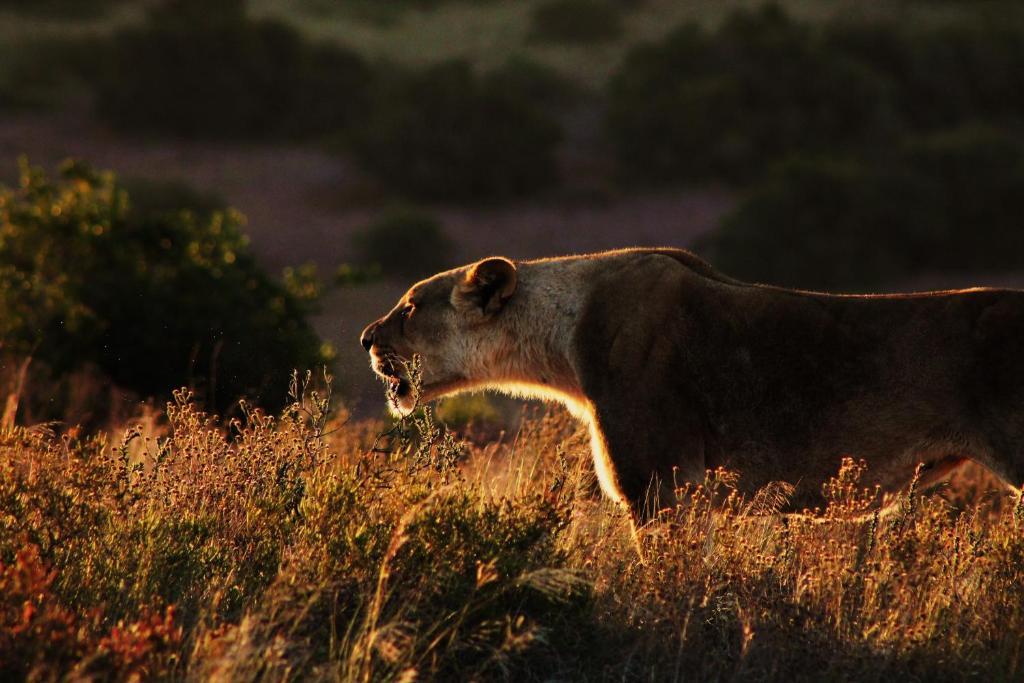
x=730, y=104
x=44, y=72
x=404, y=241
x=950, y=201
x=576, y=21
x=445, y=133
x=64, y=9
x=155, y=301
x=977, y=176
x=197, y=70
x=944, y=75
x=821, y=224
x=156, y=198
x=373, y=11
x=469, y=410
x=529, y=81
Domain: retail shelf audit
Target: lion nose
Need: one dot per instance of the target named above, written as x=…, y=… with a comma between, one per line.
x=366, y=338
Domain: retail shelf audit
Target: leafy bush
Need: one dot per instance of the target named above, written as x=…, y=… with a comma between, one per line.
x=529, y=81
x=64, y=9
x=445, y=133
x=944, y=75
x=820, y=224
x=730, y=104
x=154, y=198
x=46, y=71
x=951, y=201
x=404, y=241
x=85, y=280
x=727, y=105
x=201, y=70
x=576, y=21
x=381, y=13
x=469, y=410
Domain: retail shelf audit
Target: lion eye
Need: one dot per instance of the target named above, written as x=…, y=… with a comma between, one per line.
x=404, y=314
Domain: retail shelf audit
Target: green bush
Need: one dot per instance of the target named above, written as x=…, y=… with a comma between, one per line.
x=150, y=197
x=951, y=201
x=730, y=104
x=404, y=241
x=576, y=21
x=445, y=133
x=62, y=9
x=944, y=75
x=977, y=176
x=154, y=300
x=727, y=105
x=530, y=81
x=376, y=12
x=197, y=69
x=47, y=71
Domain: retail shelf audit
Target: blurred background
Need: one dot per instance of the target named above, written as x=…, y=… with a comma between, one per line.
x=208, y=194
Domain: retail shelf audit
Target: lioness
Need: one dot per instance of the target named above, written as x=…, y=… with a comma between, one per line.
x=678, y=369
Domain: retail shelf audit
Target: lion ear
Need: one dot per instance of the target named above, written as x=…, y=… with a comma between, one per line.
x=486, y=286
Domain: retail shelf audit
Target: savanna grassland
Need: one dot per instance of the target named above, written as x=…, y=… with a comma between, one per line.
x=308, y=546
x=830, y=144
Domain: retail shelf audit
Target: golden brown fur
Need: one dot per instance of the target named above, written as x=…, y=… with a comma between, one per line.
x=678, y=369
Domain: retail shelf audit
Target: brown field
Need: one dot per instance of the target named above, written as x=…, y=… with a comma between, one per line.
x=311, y=547
x=328, y=543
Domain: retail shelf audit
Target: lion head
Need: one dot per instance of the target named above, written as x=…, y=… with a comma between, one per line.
x=452, y=323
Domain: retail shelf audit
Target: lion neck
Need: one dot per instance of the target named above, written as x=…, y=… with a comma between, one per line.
x=532, y=357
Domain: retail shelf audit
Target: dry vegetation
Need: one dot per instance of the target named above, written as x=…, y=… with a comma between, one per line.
x=309, y=547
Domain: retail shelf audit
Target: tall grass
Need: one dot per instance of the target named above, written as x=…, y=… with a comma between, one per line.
x=306, y=546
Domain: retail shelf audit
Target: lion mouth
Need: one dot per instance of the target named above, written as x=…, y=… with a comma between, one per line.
x=390, y=369
x=399, y=386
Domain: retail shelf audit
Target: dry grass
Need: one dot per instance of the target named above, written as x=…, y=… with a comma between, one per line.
x=307, y=547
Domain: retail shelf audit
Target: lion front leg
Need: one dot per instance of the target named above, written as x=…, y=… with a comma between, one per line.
x=641, y=468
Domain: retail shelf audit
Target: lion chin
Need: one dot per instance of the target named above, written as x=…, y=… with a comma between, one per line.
x=401, y=400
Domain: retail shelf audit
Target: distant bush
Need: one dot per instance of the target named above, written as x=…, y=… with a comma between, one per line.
x=198, y=69
x=576, y=21
x=349, y=275
x=444, y=132
x=468, y=410
x=382, y=13
x=977, y=176
x=730, y=104
x=153, y=300
x=63, y=9
x=943, y=75
x=951, y=201
x=40, y=73
x=530, y=81
x=404, y=241
x=167, y=198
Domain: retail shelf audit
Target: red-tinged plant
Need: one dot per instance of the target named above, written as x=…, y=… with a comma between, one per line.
x=36, y=631
x=144, y=648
